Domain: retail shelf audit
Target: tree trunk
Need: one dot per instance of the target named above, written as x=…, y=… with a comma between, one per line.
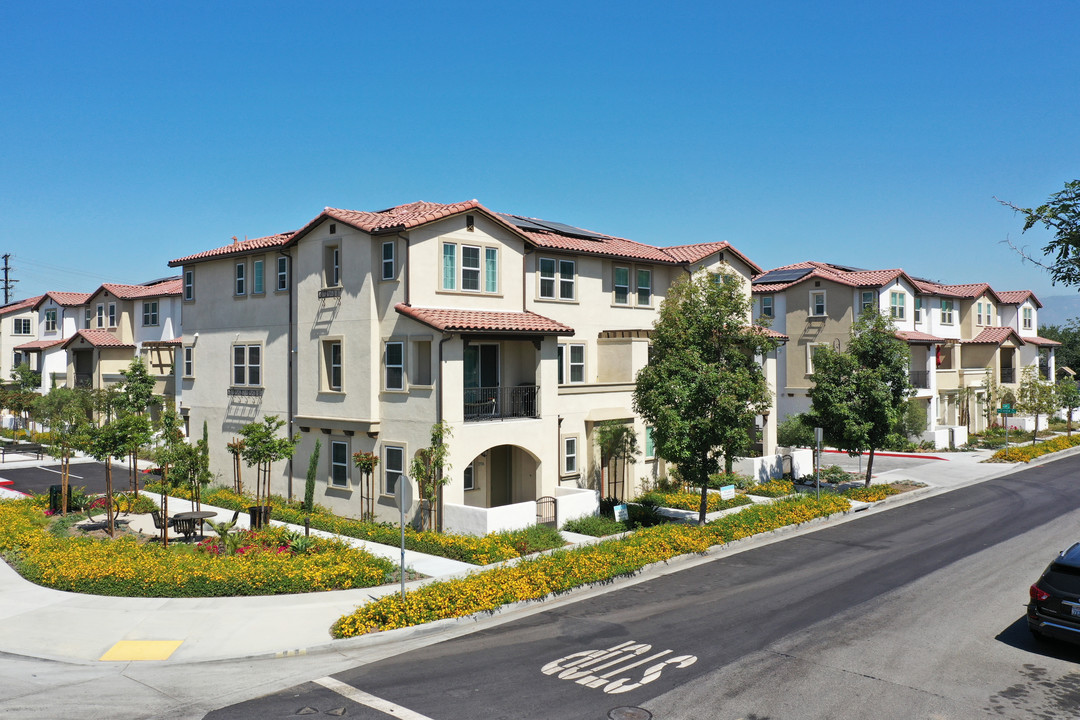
x=109, y=496
x=869, y=467
x=1069, y=426
x=1035, y=434
x=704, y=480
x=165, y=506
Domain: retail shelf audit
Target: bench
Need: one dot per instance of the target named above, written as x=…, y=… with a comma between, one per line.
x=22, y=449
x=184, y=526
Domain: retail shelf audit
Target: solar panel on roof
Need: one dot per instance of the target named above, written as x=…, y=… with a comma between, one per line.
x=782, y=276
x=549, y=226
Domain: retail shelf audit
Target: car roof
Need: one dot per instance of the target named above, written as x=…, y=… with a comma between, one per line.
x=1070, y=558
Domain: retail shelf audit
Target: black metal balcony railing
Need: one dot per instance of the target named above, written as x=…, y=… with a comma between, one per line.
x=84, y=380
x=1008, y=375
x=919, y=379
x=498, y=403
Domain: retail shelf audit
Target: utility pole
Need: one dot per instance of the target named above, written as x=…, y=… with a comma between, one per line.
x=9, y=284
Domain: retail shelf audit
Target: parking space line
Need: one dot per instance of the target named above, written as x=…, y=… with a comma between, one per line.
x=375, y=703
x=58, y=472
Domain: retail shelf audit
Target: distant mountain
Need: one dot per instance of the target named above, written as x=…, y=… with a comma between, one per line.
x=1059, y=309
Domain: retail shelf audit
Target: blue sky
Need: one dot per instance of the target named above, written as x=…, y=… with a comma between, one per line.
x=872, y=134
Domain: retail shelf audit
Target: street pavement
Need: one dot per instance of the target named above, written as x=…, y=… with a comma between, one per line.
x=37, y=621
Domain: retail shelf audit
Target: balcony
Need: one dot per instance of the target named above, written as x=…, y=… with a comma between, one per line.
x=84, y=380
x=1008, y=375
x=920, y=379
x=501, y=403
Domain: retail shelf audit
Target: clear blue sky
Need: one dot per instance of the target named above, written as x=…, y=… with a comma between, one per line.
x=873, y=134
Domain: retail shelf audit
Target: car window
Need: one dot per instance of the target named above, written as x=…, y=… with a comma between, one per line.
x=1066, y=580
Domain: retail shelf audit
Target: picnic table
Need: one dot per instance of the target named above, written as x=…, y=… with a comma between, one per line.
x=184, y=523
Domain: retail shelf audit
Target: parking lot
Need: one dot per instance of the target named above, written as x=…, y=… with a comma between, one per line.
x=90, y=475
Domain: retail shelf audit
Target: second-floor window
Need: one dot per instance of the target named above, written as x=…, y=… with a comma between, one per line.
x=1027, y=314
x=979, y=313
x=189, y=284
x=150, y=313
x=557, y=279
x=388, y=271
x=817, y=303
x=50, y=320
x=247, y=365
x=394, y=365
x=946, y=312
x=641, y=291
x=571, y=363
x=257, y=280
x=22, y=326
x=867, y=300
x=112, y=314
x=477, y=271
x=332, y=357
x=622, y=286
x=101, y=315
x=767, y=308
x=332, y=266
x=918, y=310
x=897, y=303
x=88, y=318
x=240, y=287
x=393, y=467
x=189, y=361
x=283, y=273
x=470, y=268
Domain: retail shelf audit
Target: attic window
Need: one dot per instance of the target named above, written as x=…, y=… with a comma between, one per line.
x=817, y=283
x=470, y=223
x=333, y=228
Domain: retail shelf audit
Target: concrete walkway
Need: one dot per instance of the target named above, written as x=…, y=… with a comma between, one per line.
x=52, y=624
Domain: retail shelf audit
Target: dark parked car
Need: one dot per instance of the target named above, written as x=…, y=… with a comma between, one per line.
x=1054, y=610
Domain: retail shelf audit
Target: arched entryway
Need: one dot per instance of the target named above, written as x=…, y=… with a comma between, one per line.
x=501, y=475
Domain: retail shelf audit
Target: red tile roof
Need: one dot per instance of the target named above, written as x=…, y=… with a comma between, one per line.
x=769, y=332
x=1016, y=297
x=238, y=247
x=20, y=305
x=834, y=273
x=492, y=321
x=1044, y=342
x=38, y=344
x=994, y=336
x=64, y=299
x=914, y=336
x=156, y=343
x=172, y=286
x=98, y=338
x=967, y=290
x=700, y=251
x=607, y=245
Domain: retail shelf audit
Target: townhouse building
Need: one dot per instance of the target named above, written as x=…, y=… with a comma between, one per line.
x=363, y=329
x=957, y=335
x=18, y=326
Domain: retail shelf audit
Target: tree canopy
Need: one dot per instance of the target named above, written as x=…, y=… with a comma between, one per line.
x=704, y=384
x=858, y=393
x=1061, y=216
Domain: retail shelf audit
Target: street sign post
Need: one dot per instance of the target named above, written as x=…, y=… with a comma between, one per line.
x=1006, y=410
x=818, y=433
x=403, y=496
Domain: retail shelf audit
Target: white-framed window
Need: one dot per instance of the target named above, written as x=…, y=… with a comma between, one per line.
x=918, y=310
x=644, y=287
x=112, y=314
x=247, y=365
x=394, y=365
x=650, y=445
x=468, y=477
x=978, y=313
x=811, y=350
x=88, y=318
x=50, y=320
x=867, y=300
x=282, y=272
x=567, y=279
x=101, y=315
x=946, y=312
x=449, y=266
x=189, y=284
x=767, y=308
x=332, y=361
x=388, y=269
x=897, y=304
x=240, y=279
x=817, y=303
x=1028, y=315
x=491, y=270
x=622, y=285
x=420, y=370
x=150, y=313
x=557, y=279
x=571, y=363
x=477, y=269
x=470, y=268
x=570, y=455
x=21, y=326
x=393, y=467
x=189, y=361
x=258, y=282
x=339, y=463
x=332, y=266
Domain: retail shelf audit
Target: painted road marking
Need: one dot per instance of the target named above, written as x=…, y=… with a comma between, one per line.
x=129, y=650
x=578, y=666
x=59, y=472
x=375, y=703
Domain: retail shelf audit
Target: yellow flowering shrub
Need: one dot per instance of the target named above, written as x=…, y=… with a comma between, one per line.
x=870, y=494
x=1027, y=453
x=692, y=500
x=562, y=570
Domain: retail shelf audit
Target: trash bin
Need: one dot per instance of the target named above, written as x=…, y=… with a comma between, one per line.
x=56, y=495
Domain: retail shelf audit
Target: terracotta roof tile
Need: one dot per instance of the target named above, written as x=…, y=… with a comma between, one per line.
x=769, y=332
x=172, y=286
x=1041, y=341
x=834, y=273
x=914, y=336
x=1016, y=297
x=64, y=299
x=607, y=245
x=39, y=344
x=98, y=338
x=993, y=336
x=700, y=251
x=238, y=247
x=492, y=321
x=20, y=305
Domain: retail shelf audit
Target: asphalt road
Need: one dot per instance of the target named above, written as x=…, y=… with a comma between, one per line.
x=911, y=612
x=90, y=475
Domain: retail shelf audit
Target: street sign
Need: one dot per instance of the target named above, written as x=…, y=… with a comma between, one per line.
x=403, y=492
x=727, y=492
x=621, y=513
x=1006, y=409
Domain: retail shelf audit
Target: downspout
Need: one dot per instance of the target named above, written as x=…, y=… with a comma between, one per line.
x=291, y=351
x=439, y=418
x=407, y=268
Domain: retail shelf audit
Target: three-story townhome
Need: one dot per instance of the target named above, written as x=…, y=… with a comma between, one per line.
x=18, y=326
x=60, y=315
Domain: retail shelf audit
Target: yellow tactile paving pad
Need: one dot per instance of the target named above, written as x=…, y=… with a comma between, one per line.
x=128, y=650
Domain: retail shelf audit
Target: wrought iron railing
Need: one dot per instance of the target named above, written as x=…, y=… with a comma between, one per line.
x=1008, y=375
x=920, y=379
x=498, y=403
x=84, y=380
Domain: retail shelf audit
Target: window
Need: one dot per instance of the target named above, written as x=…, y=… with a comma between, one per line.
x=867, y=300
x=554, y=286
x=282, y=273
x=332, y=266
x=393, y=467
x=767, y=306
x=189, y=284
x=50, y=320
x=247, y=365
x=817, y=303
x=241, y=279
x=339, y=463
x=918, y=310
x=812, y=349
x=1027, y=318
x=577, y=363
x=88, y=317
x=332, y=360
x=150, y=313
x=650, y=445
x=22, y=326
x=468, y=478
x=470, y=268
x=946, y=312
x=388, y=270
x=547, y=278
x=112, y=314
x=570, y=464
x=897, y=302
x=449, y=266
x=189, y=361
x=100, y=315
x=979, y=314
x=394, y=362
x=257, y=283
x=566, y=279
x=622, y=286
x=421, y=363
x=491, y=270
x=644, y=287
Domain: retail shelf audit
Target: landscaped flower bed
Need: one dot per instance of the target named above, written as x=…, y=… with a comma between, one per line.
x=692, y=501
x=565, y=569
x=873, y=493
x=265, y=565
x=466, y=548
x=772, y=489
x=1027, y=453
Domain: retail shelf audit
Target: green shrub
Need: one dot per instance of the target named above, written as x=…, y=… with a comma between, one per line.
x=795, y=431
x=595, y=525
x=772, y=489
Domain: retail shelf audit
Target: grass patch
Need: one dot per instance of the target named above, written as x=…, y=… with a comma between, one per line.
x=595, y=525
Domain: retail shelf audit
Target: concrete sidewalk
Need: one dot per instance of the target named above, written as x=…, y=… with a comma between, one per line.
x=51, y=624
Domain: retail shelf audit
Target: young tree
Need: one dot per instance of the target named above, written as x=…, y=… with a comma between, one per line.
x=169, y=453
x=66, y=412
x=616, y=441
x=1035, y=396
x=312, y=472
x=429, y=468
x=1068, y=398
x=114, y=440
x=262, y=448
x=859, y=393
x=704, y=384
x=136, y=397
x=1061, y=216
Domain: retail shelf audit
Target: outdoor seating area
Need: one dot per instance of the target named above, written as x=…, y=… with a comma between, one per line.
x=38, y=451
